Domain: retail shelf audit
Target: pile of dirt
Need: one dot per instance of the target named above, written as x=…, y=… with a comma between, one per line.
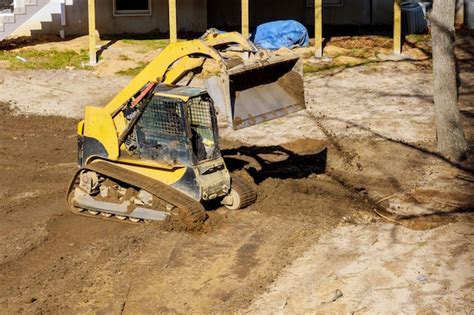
x=5, y=109
x=23, y=41
x=293, y=84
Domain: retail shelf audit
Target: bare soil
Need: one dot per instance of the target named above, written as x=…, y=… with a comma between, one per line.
x=54, y=261
x=352, y=197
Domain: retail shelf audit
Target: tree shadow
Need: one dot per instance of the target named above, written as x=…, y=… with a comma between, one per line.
x=274, y=162
x=466, y=166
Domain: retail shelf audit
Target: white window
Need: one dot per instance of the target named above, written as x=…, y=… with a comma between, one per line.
x=132, y=7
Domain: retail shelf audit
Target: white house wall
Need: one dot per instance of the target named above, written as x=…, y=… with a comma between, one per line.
x=192, y=17
x=44, y=15
x=196, y=16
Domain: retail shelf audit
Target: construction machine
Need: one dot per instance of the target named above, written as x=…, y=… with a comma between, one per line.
x=152, y=153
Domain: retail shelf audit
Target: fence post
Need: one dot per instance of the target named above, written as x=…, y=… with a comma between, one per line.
x=318, y=28
x=172, y=20
x=397, y=28
x=245, y=18
x=92, y=33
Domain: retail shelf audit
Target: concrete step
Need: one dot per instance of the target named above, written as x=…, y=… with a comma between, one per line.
x=25, y=9
x=32, y=15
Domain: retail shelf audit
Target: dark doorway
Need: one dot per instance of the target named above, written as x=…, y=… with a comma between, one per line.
x=226, y=15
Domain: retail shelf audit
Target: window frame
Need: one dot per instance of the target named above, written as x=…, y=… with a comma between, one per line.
x=119, y=13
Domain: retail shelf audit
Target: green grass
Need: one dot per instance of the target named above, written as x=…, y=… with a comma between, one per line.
x=131, y=72
x=46, y=59
x=360, y=53
x=313, y=68
x=124, y=58
x=417, y=38
x=370, y=68
x=148, y=44
x=309, y=68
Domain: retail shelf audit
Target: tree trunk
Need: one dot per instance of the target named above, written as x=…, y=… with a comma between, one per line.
x=451, y=141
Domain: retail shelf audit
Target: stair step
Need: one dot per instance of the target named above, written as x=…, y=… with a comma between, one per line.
x=21, y=20
x=19, y=10
x=8, y=18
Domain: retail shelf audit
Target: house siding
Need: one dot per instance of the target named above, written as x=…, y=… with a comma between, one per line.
x=195, y=16
x=192, y=17
x=226, y=14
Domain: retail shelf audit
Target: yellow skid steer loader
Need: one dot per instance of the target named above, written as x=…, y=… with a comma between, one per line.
x=152, y=153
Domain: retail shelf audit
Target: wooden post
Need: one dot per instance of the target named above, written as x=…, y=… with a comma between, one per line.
x=245, y=18
x=92, y=33
x=318, y=28
x=172, y=19
x=397, y=28
x=460, y=12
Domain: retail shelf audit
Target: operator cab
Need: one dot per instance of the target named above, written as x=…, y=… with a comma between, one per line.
x=178, y=126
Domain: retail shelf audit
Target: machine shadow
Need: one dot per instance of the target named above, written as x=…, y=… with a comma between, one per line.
x=278, y=162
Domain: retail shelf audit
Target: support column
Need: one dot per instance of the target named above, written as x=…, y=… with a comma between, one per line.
x=460, y=12
x=318, y=28
x=397, y=28
x=172, y=19
x=245, y=18
x=92, y=33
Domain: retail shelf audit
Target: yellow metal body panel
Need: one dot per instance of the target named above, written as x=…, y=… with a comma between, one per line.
x=170, y=95
x=120, y=123
x=182, y=68
x=80, y=128
x=157, y=69
x=229, y=38
x=99, y=125
x=167, y=176
x=174, y=62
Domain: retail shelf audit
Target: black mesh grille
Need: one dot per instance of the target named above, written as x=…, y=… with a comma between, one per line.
x=199, y=112
x=161, y=133
x=162, y=117
x=202, y=121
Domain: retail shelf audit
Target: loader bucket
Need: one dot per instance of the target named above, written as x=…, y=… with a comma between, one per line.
x=258, y=91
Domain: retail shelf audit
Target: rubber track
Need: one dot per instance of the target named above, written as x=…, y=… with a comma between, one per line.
x=192, y=211
x=248, y=195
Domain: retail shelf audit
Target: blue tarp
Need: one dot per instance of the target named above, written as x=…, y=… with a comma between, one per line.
x=278, y=34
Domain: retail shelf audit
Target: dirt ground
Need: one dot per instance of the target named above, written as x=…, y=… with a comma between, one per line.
x=376, y=223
